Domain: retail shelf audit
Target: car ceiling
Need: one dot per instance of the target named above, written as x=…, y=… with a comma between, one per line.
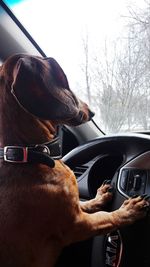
x=11, y=32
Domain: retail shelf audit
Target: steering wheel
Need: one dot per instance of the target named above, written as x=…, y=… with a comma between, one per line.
x=125, y=159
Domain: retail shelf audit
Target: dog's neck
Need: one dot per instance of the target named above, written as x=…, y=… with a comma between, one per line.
x=15, y=134
x=25, y=132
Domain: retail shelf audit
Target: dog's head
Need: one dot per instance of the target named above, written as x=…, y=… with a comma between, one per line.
x=40, y=86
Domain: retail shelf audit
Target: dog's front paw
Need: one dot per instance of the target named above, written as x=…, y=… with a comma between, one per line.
x=103, y=196
x=133, y=209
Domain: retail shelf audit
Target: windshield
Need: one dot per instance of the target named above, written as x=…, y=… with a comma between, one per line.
x=104, y=49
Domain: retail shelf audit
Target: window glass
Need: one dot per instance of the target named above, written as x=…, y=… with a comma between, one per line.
x=104, y=49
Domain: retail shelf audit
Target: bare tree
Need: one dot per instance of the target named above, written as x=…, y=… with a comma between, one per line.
x=120, y=82
x=86, y=66
x=139, y=27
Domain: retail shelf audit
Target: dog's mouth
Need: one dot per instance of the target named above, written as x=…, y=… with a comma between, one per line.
x=81, y=118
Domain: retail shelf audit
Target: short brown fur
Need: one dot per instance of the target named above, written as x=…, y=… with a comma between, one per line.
x=40, y=210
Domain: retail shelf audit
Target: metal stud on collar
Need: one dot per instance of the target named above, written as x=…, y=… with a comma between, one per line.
x=43, y=148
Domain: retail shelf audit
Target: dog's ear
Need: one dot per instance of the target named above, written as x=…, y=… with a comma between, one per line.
x=41, y=88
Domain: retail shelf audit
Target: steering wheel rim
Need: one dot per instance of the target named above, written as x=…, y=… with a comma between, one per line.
x=126, y=251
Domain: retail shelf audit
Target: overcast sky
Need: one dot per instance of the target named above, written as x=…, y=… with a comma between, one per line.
x=59, y=26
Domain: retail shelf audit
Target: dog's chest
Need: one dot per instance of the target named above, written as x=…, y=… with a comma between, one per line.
x=60, y=179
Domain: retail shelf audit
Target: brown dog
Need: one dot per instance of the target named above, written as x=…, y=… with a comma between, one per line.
x=40, y=211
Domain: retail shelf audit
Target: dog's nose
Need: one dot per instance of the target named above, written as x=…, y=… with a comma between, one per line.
x=91, y=114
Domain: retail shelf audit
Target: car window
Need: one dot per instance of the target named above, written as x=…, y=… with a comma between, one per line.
x=104, y=48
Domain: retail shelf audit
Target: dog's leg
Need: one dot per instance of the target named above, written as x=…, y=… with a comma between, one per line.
x=103, y=196
x=88, y=225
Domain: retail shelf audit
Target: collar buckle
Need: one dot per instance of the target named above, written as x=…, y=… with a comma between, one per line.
x=21, y=151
